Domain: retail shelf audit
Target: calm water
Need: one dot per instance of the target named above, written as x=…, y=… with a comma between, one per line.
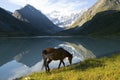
x=21, y=56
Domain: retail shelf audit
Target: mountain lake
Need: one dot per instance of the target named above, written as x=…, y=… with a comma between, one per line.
x=21, y=56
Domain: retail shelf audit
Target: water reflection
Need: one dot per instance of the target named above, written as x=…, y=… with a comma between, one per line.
x=20, y=56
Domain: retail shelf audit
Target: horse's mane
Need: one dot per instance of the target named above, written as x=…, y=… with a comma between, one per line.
x=50, y=50
x=64, y=50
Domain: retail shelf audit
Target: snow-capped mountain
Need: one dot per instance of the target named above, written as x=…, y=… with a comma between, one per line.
x=64, y=20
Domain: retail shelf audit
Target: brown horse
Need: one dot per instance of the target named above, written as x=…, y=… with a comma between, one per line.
x=50, y=54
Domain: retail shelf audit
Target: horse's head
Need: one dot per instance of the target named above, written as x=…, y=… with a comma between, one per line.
x=70, y=58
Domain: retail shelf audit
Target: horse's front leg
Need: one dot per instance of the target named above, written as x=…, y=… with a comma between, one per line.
x=63, y=63
x=59, y=64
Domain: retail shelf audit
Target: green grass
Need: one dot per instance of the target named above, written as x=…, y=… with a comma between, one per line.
x=106, y=68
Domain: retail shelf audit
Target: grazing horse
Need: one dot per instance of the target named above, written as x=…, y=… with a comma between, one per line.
x=50, y=54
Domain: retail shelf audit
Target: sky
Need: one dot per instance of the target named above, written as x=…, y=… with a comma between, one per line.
x=48, y=6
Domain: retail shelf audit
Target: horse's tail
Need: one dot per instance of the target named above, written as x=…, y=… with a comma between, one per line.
x=43, y=65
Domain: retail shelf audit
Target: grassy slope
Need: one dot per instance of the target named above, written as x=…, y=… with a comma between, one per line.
x=93, y=69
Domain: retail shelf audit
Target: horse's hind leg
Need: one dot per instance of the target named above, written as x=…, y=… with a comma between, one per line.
x=45, y=64
x=48, y=65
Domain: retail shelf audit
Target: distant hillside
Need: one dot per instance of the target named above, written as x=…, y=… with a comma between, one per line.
x=101, y=5
x=36, y=19
x=103, y=23
x=10, y=26
x=102, y=19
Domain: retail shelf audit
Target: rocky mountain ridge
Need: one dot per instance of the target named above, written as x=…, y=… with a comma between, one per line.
x=102, y=19
x=26, y=21
x=101, y=5
x=37, y=19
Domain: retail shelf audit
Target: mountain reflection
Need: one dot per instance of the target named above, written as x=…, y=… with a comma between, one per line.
x=26, y=52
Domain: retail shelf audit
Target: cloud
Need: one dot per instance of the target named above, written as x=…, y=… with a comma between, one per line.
x=47, y=6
